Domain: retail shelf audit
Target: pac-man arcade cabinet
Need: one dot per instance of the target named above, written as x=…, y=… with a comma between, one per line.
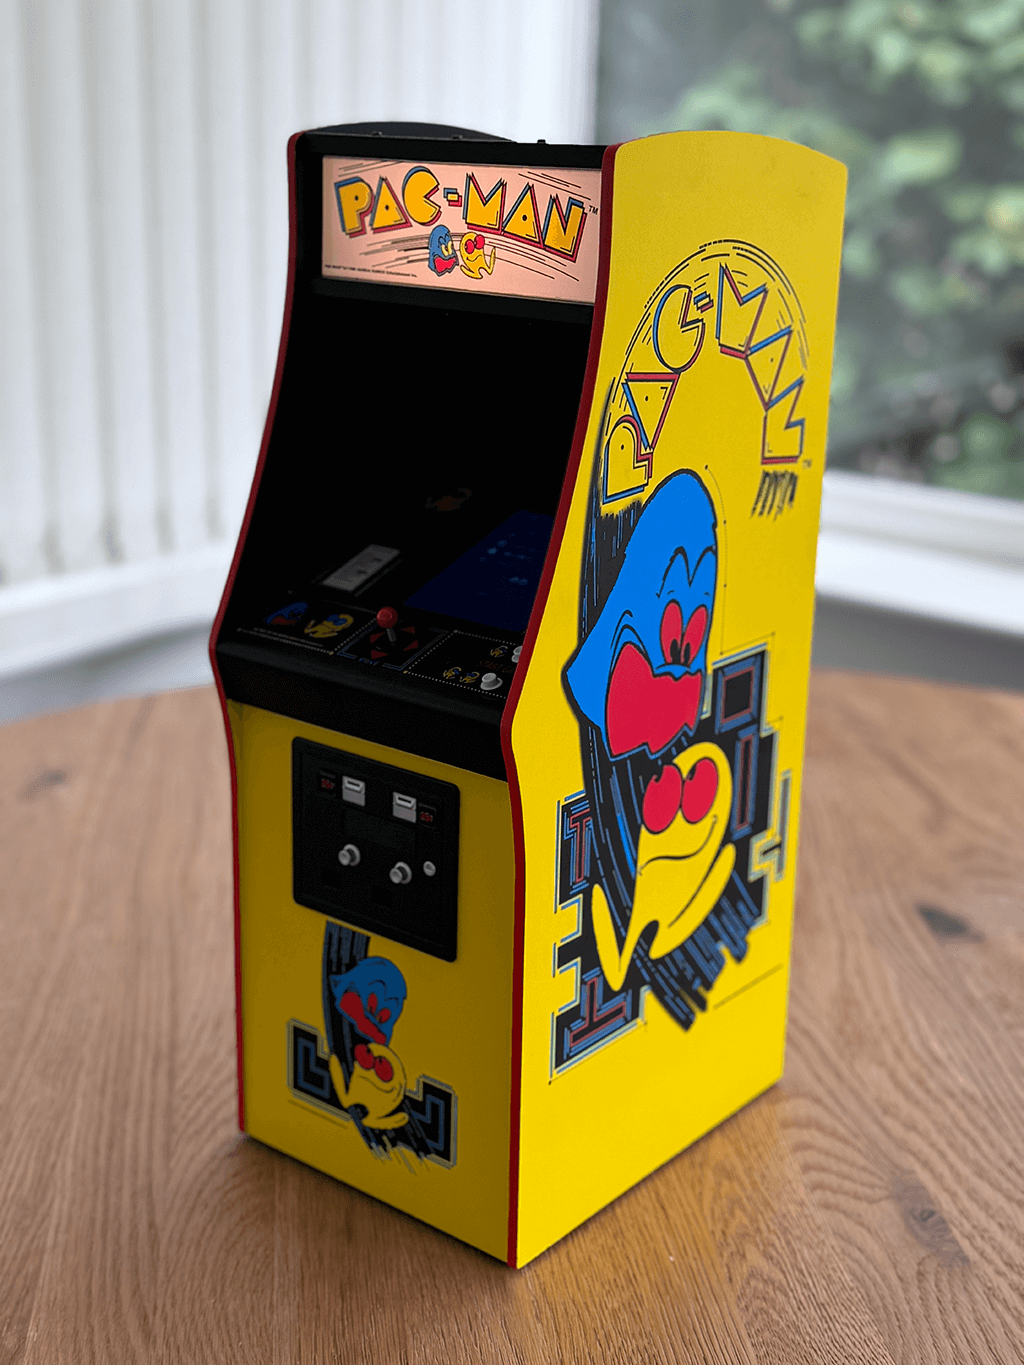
x=514, y=659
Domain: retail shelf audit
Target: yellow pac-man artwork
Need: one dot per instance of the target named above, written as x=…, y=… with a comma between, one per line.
x=659, y=728
x=474, y=258
x=514, y=660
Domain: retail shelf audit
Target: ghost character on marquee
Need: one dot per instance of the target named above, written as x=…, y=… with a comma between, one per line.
x=660, y=804
x=441, y=256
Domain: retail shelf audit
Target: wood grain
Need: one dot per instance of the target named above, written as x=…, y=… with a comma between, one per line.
x=869, y=1208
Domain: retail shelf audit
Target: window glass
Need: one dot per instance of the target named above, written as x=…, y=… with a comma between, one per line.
x=924, y=102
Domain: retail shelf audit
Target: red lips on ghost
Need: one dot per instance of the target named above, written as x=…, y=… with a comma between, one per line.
x=648, y=708
x=645, y=708
x=366, y=1022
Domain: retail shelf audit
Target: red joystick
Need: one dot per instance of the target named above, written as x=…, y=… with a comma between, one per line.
x=388, y=618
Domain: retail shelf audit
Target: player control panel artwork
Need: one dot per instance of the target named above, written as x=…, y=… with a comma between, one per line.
x=490, y=587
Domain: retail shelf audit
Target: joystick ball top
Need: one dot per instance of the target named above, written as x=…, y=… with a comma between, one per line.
x=387, y=617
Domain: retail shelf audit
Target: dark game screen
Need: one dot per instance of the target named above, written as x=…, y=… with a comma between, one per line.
x=495, y=582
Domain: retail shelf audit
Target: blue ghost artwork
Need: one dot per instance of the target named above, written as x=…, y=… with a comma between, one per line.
x=371, y=995
x=658, y=786
x=288, y=615
x=638, y=676
x=363, y=998
x=441, y=254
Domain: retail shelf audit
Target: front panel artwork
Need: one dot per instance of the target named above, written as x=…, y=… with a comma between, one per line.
x=381, y=1064
x=351, y=1069
x=658, y=738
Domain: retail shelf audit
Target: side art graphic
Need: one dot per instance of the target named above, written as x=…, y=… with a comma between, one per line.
x=728, y=300
x=681, y=818
x=681, y=978
x=355, y=1072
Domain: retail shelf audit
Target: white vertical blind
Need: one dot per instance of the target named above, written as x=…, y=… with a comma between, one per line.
x=143, y=244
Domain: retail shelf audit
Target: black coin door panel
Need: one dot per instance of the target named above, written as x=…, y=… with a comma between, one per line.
x=376, y=846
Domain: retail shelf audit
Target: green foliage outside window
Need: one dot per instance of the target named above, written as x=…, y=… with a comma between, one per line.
x=924, y=102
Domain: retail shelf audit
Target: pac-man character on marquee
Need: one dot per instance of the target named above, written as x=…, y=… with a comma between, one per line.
x=473, y=258
x=660, y=802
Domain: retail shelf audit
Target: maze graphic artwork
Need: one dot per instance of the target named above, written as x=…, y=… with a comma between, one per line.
x=431, y=1105
x=681, y=979
x=353, y=1055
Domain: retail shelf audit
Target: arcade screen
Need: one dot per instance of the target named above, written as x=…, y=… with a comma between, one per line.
x=495, y=582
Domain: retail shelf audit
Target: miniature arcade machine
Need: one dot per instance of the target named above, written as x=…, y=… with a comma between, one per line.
x=514, y=659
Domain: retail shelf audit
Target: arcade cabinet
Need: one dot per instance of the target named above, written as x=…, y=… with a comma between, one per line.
x=514, y=658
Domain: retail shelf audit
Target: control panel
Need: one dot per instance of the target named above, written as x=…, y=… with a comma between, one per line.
x=395, y=640
x=376, y=846
x=374, y=617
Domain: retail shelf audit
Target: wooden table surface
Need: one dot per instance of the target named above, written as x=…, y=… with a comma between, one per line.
x=869, y=1208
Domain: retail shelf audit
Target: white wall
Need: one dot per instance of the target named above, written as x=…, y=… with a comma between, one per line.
x=143, y=240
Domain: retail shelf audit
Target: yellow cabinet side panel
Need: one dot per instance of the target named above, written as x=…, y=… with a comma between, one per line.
x=659, y=735
x=455, y=1025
